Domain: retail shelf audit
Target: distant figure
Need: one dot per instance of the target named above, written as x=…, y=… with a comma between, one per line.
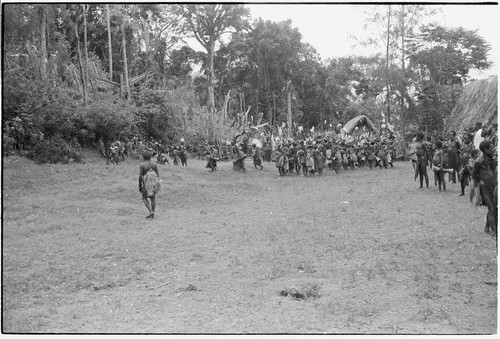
x=183, y=153
x=438, y=162
x=484, y=177
x=422, y=161
x=212, y=156
x=465, y=168
x=302, y=159
x=453, y=146
x=149, y=183
x=238, y=158
x=280, y=157
x=257, y=159
x=310, y=160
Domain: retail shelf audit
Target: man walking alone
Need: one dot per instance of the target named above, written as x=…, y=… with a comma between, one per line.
x=149, y=183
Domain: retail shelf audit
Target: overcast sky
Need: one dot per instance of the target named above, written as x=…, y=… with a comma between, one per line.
x=328, y=28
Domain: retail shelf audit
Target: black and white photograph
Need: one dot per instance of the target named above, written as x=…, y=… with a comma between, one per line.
x=249, y=168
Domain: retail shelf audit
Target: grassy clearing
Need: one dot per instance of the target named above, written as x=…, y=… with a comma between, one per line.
x=359, y=252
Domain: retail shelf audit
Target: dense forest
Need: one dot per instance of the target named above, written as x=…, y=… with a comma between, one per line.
x=75, y=73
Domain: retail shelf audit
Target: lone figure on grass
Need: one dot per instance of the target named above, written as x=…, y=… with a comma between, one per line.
x=149, y=183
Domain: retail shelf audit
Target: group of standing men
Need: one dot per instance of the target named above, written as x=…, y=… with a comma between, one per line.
x=472, y=158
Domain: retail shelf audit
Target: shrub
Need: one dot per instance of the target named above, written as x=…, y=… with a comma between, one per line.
x=56, y=150
x=107, y=117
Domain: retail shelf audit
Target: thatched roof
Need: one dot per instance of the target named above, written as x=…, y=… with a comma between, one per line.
x=478, y=103
x=360, y=120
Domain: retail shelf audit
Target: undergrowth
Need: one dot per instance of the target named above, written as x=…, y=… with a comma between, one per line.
x=56, y=150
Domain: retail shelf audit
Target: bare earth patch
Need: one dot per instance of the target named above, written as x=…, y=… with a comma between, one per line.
x=359, y=252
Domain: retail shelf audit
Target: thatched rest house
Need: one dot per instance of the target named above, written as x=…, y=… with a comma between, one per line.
x=478, y=103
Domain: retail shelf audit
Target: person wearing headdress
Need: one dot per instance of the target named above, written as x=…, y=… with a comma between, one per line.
x=352, y=159
x=465, y=169
x=328, y=156
x=360, y=155
x=290, y=154
x=280, y=157
x=388, y=151
x=212, y=155
x=484, y=175
x=296, y=162
x=310, y=160
x=238, y=158
x=302, y=159
x=382, y=155
x=319, y=160
x=183, y=153
x=257, y=159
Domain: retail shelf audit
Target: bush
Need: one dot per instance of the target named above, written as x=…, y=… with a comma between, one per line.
x=108, y=118
x=56, y=150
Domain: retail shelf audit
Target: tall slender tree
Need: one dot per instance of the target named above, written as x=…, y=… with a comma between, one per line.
x=85, y=45
x=125, y=62
x=110, y=45
x=43, y=39
x=403, y=84
x=207, y=23
x=387, y=60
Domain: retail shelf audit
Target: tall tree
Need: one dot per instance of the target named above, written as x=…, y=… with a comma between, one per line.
x=125, y=62
x=389, y=24
x=207, y=23
x=85, y=44
x=43, y=39
x=388, y=40
x=262, y=61
x=110, y=45
x=440, y=59
x=403, y=85
x=74, y=14
x=448, y=54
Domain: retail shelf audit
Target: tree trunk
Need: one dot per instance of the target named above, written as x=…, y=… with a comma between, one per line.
x=125, y=65
x=257, y=101
x=43, y=40
x=110, y=49
x=388, y=117
x=211, y=96
x=85, y=45
x=121, y=86
x=403, y=122
x=289, y=101
x=241, y=102
x=82, y=76
x=274, y=109
x=321, y=117
x=145, y=23
x=267, y=95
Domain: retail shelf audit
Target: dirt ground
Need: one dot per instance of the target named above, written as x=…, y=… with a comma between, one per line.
x=363, y=251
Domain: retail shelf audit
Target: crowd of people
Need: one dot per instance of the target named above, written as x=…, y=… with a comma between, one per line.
x=469, y=159
x=311, y=154
x=117, y=150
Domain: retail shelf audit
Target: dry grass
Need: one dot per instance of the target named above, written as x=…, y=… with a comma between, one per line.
x=359, y=252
